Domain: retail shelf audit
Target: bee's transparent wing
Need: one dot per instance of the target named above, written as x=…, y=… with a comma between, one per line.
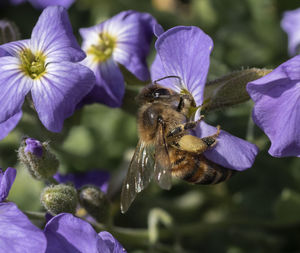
x=139, y=175
x=162, y=166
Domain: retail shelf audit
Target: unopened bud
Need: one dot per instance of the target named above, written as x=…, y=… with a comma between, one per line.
x=34, y=147
x=59, y=199
x=95, y=202
x=37, y=158
x=8, y=32
x=230, y=90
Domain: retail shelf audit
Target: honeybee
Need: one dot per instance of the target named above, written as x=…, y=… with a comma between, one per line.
x=166, y=148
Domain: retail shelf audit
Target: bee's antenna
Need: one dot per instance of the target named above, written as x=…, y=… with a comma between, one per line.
x=163, y=78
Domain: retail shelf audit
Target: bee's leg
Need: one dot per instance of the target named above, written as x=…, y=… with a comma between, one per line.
x=211, y=140
x=182, y=127
x=192, y=143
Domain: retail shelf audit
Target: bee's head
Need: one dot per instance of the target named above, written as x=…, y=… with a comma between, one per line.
x=154, y=92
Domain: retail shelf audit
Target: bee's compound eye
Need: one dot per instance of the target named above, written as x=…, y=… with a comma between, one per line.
x=152, y=116
x=160, y=92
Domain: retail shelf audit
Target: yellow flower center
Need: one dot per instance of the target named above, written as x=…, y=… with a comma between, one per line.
x=32, y=65
x=104, y=49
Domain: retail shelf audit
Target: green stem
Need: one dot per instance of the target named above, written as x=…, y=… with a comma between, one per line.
x=35, y=215
x=132, y=236
x=140, y=237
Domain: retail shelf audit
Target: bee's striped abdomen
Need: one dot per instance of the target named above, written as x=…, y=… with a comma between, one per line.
x=196, y=169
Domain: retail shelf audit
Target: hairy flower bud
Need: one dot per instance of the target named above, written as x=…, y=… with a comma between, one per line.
x=60, y=198
x=37, y=158
x=95, y=202
x=230, y=90
x=8, y=32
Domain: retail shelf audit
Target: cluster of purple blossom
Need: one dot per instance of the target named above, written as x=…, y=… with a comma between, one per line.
x=62, y=233
x=53, y=69
x=58, y=76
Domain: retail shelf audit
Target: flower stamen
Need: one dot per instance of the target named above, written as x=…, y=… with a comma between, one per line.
x=104, y=49
x=193, y=107
x=32, y=65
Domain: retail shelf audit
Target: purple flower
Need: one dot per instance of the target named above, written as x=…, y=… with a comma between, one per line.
x=66, y=233
x=185, y=52
x=96, y=177
x=7, y=126
x=124, y=39
x=6, y=180
x=18, y=234
x=41, y=4
x=44, y=66
x=110, y=244
x=34, y=147
x=276, y=110
x=290, y=23
x=63, y=233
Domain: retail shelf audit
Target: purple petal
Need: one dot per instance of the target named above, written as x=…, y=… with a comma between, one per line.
x=14, y=48
x=276, y=109
x=291, y=25
x=99, y=95
x=34, y=147
x=290, y=69
x=158, y=30
x=110, y=87
x=18, y=233
x=41, y=4
x=134, y=35
x=111, y=243
x=157, y=72
x=6, y=181
x=57, y=93
x=157, y=69
x=3, y=52
x=96, y=177
x=7, y=126
x=53, y=36
x=48, y=217
x=67, y=234
x=14, y=86
x=230, y=152
x=185, y=52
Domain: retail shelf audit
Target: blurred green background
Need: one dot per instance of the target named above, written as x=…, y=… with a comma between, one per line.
x=256, y=211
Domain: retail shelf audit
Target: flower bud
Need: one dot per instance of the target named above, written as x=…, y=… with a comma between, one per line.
x=59, y=198
x=230, y=90
x=95, y=202
x=8, y=32
x=37, y=158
